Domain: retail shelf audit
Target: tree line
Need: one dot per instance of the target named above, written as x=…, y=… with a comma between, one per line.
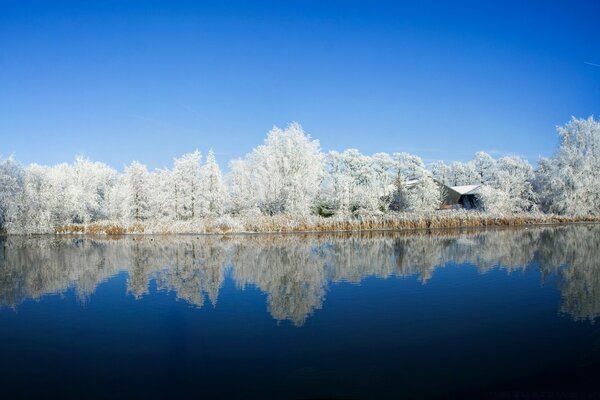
x=290, y=174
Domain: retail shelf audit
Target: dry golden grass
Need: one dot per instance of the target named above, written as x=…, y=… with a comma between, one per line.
x=92, y=229
x=286, y=223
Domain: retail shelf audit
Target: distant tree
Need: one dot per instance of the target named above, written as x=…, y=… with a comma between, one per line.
x=214, y=192
x=186, y=186
x=407, y=166
x=383, y=179
x=463, y=174
x=514, y=176
x=117, y=200
x=424, y=195
x=415, y=188
x=495, y=201
x=289, y=174
x=484, y=166
x=137, y=180
x=11, y=188
x=36, y=202
x=163, y=195
x=242, y=188
x=440, y=171
x=89, y=185
x=357, y=183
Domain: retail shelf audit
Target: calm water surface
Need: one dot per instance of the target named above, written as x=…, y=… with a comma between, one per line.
x=489, y=314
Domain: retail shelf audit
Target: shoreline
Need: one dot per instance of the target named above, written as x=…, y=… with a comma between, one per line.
x=270, y=225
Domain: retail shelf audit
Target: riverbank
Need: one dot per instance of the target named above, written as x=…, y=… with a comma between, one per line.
x=258, y=223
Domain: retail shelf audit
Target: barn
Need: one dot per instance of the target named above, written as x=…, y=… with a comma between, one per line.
x=464, y=196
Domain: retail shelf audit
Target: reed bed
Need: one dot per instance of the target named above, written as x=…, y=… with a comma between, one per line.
x=257, y=223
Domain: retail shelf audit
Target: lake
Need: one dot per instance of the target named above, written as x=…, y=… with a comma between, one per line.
x=455, y=314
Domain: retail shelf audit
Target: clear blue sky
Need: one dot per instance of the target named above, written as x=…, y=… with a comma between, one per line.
x=150, y=80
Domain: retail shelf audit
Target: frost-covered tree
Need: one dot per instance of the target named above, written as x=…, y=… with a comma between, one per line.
x=484, y=167
x=494, y=200
x=462, y=174
x=415, y=188
x=440, y=171
x=37, y=201
x=383, y=179
x=186, y=186
x=117, y=200
x=11, y=188
x=568, y=182
x=514, y=176
x=87, y=192
x=423, y=195
x=286, y=171
x=358, y=183
x=353, y=180
x=214, y=192
x=544, y=174
x=137, y=189
x=242, y=189
x=289, y=174
x=162, y=200
x=407, y=166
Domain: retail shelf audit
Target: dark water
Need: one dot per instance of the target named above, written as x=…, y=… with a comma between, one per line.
x=494, y=314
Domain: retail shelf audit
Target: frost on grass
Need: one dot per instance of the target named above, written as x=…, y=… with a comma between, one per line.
x=289, y=184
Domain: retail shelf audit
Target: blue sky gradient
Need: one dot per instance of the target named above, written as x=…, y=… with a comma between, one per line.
x=118, y=81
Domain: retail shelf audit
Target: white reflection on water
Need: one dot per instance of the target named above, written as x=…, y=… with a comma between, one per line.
x=294, y=270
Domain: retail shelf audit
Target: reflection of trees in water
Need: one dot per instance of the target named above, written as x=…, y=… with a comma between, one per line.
x=33, y=267
x=289, y=270
x=294, y=270
x=196, y=268
x=573, y=253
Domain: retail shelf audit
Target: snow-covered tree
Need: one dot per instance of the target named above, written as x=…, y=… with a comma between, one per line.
x=462, y=174
x=568, y=182
x=242, y=189
x=186, y=186
x=87, y=192
x=11, y=188
x=424, y=194
x=36, y=202
x=162, y=199
x=407, y=166
x=440, y=171
x=137, y=200
x=117, y=200
x=484, y=166
x=383, y=179
x=542, y=184
x=214, y=192
x=286, y=171
x=358, y=183
x=494, y=200
x=514, y=176
x=415, y=188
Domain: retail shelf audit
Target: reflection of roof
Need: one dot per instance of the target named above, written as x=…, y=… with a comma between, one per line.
x=466, y=189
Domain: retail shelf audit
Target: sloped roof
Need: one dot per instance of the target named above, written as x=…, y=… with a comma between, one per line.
x=466, y=189
x=411, y=182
